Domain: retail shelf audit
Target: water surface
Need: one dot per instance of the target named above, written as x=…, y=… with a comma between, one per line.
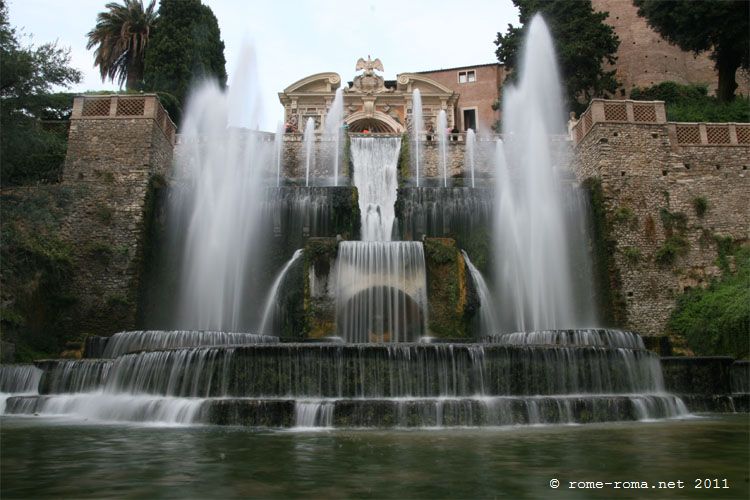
x=46, y=457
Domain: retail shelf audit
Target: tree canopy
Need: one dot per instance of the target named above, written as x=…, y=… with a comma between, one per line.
x=30, y=151
x=186, y=46
x=723, y=28
x=121, y=37
x=583, y=43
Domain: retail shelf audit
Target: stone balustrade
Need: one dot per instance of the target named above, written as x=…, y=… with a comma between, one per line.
x=654, y=113
x=124, y=106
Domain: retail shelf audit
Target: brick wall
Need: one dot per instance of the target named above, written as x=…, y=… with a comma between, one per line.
x=478, y=95
x=644, y=58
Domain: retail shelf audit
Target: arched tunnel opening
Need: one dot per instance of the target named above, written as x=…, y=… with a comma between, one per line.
x=381, y=314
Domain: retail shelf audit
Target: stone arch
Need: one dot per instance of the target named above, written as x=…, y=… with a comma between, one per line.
x=380, y=314
x=377, y=122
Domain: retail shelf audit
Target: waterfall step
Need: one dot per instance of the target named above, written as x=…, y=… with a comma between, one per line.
x=354, y=413
x=362, y=370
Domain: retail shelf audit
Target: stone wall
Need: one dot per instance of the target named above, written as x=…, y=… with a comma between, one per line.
x=430, y=166
x=667, y=204
x=116, y=154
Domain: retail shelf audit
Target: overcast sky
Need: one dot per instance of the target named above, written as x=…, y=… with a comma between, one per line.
x=296, y=38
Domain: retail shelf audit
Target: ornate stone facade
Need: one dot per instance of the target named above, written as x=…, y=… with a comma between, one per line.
x=370, y=102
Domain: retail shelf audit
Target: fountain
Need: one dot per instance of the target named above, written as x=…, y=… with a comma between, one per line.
x=308, y=139
x=278, y=147
x=376, y=180
x=442, y=133
x=389, y=366
x=333, y=132
x=417, y=126
x=469, y=158
x=531, y=232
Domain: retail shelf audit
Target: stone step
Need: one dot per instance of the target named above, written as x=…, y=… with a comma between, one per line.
x=355, y=413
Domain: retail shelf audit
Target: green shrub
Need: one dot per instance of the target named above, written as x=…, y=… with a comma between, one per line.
x=673, y=221
x=700, y=204
x=624, y=215
x=716, y=321
x=673, y=247
x=691, y=103
x=632, y=254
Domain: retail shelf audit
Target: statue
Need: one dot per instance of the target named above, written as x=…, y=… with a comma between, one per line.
x=369, y=66
x=368, y=82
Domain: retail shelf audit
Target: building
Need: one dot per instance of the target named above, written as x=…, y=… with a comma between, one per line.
x=374, y=104
x=644, y=58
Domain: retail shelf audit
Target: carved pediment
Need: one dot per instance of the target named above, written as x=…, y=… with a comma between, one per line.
x=318, y=83
x=410, y=81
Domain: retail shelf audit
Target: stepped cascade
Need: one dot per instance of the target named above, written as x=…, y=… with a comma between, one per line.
x=548, y=377
x=367, y=305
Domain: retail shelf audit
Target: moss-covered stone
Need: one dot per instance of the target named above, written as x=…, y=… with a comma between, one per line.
x=448, y=292
x=610, y=300
x=319, y=312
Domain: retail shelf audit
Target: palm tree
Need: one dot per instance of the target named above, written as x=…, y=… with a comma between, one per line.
x=121, y=36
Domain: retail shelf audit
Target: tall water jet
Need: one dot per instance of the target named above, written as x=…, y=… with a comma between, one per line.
x=308, y=139
x=443, y=144
x=470, y=155
x=531, y=234
x=278, y=148
x=272, y=299
x=375, y=161
x=417, y=126
x=334, y=121
x=214, y=211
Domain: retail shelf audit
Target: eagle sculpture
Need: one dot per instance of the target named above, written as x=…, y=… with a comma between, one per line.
x=369, y=65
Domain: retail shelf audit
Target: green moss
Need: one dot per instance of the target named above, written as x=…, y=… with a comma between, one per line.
x=610, y=300
x=632, y=254
x=104, y=214
x=317, y=319
x=447, y=291
x=623, y=215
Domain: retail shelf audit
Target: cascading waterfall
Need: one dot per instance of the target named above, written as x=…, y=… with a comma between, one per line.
x=469, y=156
x=18, y=380
x=271, y=303
x=381, y=291
x=417, y=127
x=333, y=132
x=308, y=140
x=437, y=212
x=487, y=320
x=531, y=235
x=364, y=385
x=442, y=134
x=375, y=161
x=150, y=340
x=215, y=204
x=278, y=148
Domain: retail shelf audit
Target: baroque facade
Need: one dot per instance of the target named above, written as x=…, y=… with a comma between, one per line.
x=374, y=104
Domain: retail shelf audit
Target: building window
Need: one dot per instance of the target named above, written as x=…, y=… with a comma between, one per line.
x=470, y=119
x=467, y=76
